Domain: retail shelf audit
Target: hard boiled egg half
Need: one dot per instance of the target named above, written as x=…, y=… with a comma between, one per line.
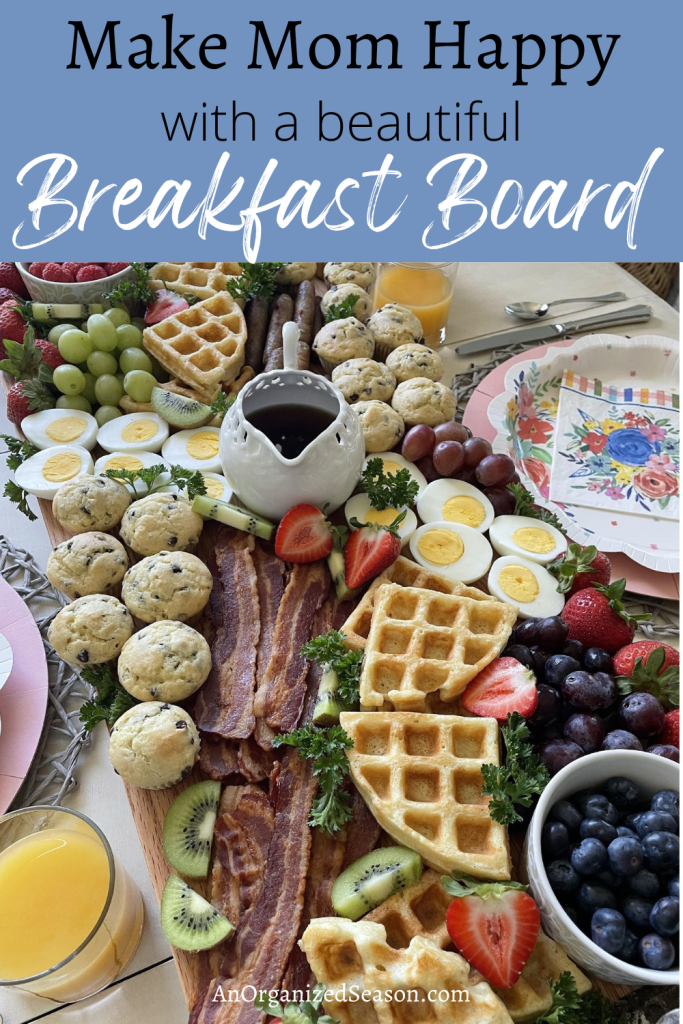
x=44, y=473
x=454, y=501
x=194, y=449
x=216, y=487
x=392, y=462
x=527, y=585
x=530, y=538
x=136, y=432
x=455, y=550
x=359, y=507
x=132, y=462
x=60, y=426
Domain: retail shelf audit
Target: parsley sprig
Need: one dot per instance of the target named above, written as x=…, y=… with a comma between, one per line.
x=185, y=479
x=521, y=778
x=18, y=451
x=330, y=650
x=388, y=490
x=568, y=1007
x=459, y=884
x=138, y=290
x=326, y=749
x=110, y=700
x=222, y=403
x=342, y=310
x=18, y=496
x=291, y=1013
x=525, y=505
x=256, y=279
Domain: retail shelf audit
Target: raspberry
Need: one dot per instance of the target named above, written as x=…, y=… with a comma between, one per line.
x=91, y=273
x=53, y=272
x=114, y=268
x=72, y=268
x=37, y=269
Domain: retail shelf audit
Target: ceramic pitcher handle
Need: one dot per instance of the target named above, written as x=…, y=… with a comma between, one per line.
x=290, y=341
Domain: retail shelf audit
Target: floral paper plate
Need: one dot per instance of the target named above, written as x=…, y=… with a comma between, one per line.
x=525, y=416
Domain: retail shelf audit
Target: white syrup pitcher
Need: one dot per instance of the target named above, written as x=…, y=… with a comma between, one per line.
x=296, y=413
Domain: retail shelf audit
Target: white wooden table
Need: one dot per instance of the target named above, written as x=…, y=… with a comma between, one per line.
x=149, y=990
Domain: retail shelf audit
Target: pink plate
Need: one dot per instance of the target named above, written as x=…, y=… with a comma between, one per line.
x=23, y=698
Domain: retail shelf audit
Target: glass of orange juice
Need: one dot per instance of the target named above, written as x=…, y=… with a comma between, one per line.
x=425, y=288
x=71, y=917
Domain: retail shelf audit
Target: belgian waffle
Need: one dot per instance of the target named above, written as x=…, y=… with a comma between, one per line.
x=421, y=642
x=200, y=279
x=420, y=775
x=405, y=574
x=178, y=388
x=353, y=958
x=202, y=346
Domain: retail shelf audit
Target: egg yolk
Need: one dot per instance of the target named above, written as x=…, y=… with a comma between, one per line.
x=532, y=538
x=61, y=467
x=441, y=547
x=202, y=446
x=65, y=429
x=390, y=467
x=384, y=518
x=214, y=488
x=519, y=583
x=464, y=510
x=139, y=430
x=123, y=462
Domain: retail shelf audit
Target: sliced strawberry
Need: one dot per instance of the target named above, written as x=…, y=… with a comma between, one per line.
x=304, y=535
x=165, y=305
x=370, y=550
x=494, y=925
x=502, y=687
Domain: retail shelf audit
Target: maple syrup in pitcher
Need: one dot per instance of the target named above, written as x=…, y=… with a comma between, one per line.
x=291, y=428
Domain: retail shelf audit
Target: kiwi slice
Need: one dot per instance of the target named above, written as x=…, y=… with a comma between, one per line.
x=188, y=828
x=328, y=704
x=187, y=920
x=373, y=878
x=178, y=410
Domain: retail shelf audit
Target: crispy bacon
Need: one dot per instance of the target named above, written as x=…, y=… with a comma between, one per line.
x=255, y=764
x=332, y=614
x=219, y=758
x=270, y=576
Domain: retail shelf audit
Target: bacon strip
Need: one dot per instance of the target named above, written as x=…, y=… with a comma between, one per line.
x=219, y=758
x=254, y=763
x=271, y=585
x=225, y=705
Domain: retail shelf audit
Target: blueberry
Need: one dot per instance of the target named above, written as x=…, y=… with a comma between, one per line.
x=631, y=821
x=592, y=896
x=581, y=797
x=621, y=792
x=623, y=831
x=620, y=739
x=607, y=877
x=549, y=707
x=554, y=840
x=625, y=856
x=572, y=914
x=586, y=730
x=527, y=632
x=598, y=806
x=521, y=654
x=557, y=667
x=562, y=876
x=557, y=754
x=655, y=821
x=656, y=952
x=630, y=948
x=636, y=910
x=608, y=929
x=642, y=714
x=666, y=800
x=589, y=856
x=660, y=850
x=665, y=750
x=674, y=888
x=664, y=915
x=565, y=812
x=645, y=883
x=540, y=657
x=594, y=828
x=589, y=692
x=551, y=633
x=597, y=660
x=574, y=648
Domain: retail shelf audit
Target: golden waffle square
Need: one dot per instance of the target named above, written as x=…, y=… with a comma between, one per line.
x=178, y=388
x=405, y=574
x=420, y=775
x=530, y=996
x=421, y=642
x=368, y=982
x=202, y=346
x=200, y=279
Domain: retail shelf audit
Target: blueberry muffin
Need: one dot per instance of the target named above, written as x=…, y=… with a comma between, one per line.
x=295, y=273
x=362, y=274
x=338, y=293
x=393, y=325
x=364, y=380
x=165, y=661
x=341, y=340
x=154, y=745
x=408, y=361
x=90, y=503
x=420, y=400
x=382, y=426
x=160, y=522
x=90, y=630
x=170, y=585
x=89, y=563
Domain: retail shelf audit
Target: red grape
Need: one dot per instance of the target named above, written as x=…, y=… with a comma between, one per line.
x=503, y=501
x=452, y=431
x=665, y=750
x=448, y=457
x=476, y=449
x=428, y=469
x=467, y=476
x=495, y=470
x=418, y=442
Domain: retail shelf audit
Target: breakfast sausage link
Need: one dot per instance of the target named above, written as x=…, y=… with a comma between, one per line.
x=282, y=311
x=304, y=315
x=256, y=316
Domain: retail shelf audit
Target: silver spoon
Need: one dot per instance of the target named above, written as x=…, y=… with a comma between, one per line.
x=536, y=310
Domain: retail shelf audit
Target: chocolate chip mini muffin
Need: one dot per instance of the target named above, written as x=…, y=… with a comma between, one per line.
x=362, y=274
x=90, y=630
x=409, y=361
x=170, y=585
x=295, y=273
x=341, y=340
x=338, y=293
x=154, y=745
x=160, y=522
x=420, y=400
x=89, y=563
x=364, y=380
x=90, y=503
x=382, y=426
x=393, y=325
x=165, y=661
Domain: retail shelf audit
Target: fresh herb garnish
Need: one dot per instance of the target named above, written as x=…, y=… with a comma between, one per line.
x=19, y=497
x=110, y=700
x=330, y=650
x=525, y=505
x=185, y=479
x=222, y=403
x=326, y=749
x=138, y=290
x=342, y=310
x=388, y=490
x=18, y=451
x=256, y=279
x=521, y=778
x=568, y=1007
x=293, y=1014
x=645, y=678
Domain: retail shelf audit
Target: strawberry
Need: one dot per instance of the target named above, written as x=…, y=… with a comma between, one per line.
x=597, y=617
x=25, y=397
x=304, y=535
x=55, y=272
x=649, y=667
x=370, y=550
x=12, y=279
x=494, y=925
x=581, y=568
x=91, y=272
x=625, y=659
x=502, y=687
x=166, y=304
x=50, y=353
x=25, y=361
x=8, y=296
x=12, y=326
x=671, y=733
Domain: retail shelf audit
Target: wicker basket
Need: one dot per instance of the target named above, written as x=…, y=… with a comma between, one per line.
x=658, y=277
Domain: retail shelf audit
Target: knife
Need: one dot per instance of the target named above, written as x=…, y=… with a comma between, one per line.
x=555, y=331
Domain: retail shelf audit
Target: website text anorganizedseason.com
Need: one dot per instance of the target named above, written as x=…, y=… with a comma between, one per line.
x=346, y=994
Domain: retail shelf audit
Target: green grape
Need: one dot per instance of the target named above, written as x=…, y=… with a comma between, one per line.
x=134, y=359
x=138, y=322
x=68, y=379
x=57, y=331
x=108, y=389
x=102, y=362
x=79, y=402
x=102, y=332
x=120, y=377
x=139, y=384
x=75, y=346
x=106, y=413
x=118, y=316
x=128, y=336
x=158, y=371
x=89, y=389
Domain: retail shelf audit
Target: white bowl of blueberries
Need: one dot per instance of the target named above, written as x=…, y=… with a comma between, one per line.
x=602, y=855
